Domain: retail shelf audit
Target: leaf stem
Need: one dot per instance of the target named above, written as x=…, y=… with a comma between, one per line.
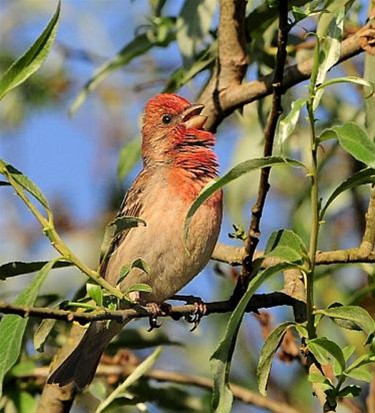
x=315, y=223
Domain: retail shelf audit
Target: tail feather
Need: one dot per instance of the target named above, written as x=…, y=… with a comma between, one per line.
x=80, y=366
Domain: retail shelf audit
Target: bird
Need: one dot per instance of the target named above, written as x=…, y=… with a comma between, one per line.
x=178, y=162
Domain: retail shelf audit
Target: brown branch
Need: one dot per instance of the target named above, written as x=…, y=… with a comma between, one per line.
x=269, y=136
x=258, y=301
x=239, y=392
x=234, y=255
x=240, y=95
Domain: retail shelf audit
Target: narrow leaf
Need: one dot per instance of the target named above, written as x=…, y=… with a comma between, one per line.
x=222, y=357
x=357, y=318
x=31, y=61
x=12, y=327
x=363, y=177
x=289, y=122
x=355, y=141
x=42, y=332
x=286, y=245
x=26, y=183
x=129, y=156
x=236, y=172
x=132, y=378
x=267, y=353
x=329, y=51
x=12, y=269
x=348, y=79
x=139, y=287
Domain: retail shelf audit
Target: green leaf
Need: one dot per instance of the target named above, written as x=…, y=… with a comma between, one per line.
x=12, y=269
x=42, y=332
x=286, y=245
x=139, y=287
x=26, y=183
x=31, y=61
x=355, y=317
x=363, y=177
x=348, y=79
x=221, y=359
x=129, y=156
x=95, y=292
x=132, y=378
x=329, y=50
x=267, y=353
x=236, y=172
x=322, y=349
x=193, y=25
x=288, y=123
x=141, y=264
x=319, y=378
x=355, y=141
x=361, y=373
x=12, y=327
x=115, y=227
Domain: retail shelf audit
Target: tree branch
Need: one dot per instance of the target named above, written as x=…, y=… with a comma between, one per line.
x=239, y=392
x=234, y=255
x=242, y=94
x=269, y=135
x=258, y=301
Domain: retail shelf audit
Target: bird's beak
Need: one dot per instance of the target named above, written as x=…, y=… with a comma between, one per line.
x=192, y=118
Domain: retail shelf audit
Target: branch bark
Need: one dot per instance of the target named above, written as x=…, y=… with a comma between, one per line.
x=242, y=94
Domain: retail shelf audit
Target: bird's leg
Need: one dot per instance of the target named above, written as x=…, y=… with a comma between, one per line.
x=199, y=311
x=156, y=311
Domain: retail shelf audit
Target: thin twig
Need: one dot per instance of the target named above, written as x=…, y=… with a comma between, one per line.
x=269, y=135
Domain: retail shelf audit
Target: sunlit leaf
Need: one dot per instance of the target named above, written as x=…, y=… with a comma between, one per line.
x=132, y=378
x=31, y=61
x=95, y=292
x=348, y=79
x=288, y=123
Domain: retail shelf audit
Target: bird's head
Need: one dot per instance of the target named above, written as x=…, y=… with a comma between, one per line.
x=171, y=123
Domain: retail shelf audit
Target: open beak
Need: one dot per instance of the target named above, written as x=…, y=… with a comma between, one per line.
x=192, y=118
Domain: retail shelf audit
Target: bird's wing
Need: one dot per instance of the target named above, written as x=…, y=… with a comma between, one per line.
x=131, y=206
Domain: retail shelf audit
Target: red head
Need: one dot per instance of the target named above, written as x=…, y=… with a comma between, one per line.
x=173, y=132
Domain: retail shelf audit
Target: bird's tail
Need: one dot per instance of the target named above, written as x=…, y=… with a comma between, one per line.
x=80, y=366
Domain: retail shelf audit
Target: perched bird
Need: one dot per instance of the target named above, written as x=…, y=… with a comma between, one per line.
x=178, y=161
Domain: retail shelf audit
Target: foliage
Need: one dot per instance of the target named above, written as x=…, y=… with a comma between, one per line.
x=325, y=168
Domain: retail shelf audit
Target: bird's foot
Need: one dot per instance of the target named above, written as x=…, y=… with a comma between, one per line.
x=200, y=309
x=155, y=311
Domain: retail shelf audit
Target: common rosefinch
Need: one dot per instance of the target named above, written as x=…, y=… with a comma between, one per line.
x=178, y=161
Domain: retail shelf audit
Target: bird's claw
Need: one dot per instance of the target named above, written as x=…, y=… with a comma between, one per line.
x=156, y=310
x=199, y=311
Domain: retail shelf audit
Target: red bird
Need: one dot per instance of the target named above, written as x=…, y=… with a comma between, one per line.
x=178, y=161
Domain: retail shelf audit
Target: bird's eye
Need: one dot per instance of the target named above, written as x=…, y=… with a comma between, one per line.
x=166, y=119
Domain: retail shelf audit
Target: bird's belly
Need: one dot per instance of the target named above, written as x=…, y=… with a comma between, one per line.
x=172, y=262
